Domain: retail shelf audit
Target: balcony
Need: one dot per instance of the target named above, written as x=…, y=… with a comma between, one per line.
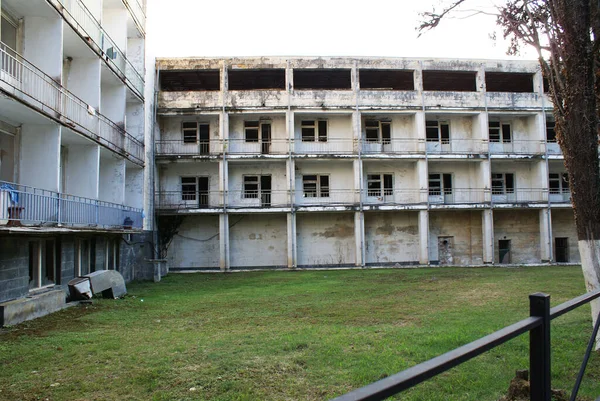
x=137, y=12
x=394, y=197
x=518, y=147
x=213, y=147
x=258, y=199
x=83, y=21
x=21, y=205
x=559, y=196
x=458, y=196
x=393, y=146
x=258, y=147
x=332, y=146
x=178, y=200
x=30, y=85
x=525, y=196
x=457, y=146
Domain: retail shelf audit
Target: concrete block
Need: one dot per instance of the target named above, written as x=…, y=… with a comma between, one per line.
x=34, y=306
x=108, y=282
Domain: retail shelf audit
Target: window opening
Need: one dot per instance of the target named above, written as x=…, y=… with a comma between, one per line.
x=558, y=183
x=380, y=183
x=312, y=130
x=561, y=249
x=550, y=131
x=440, y=184
x=437, y=131
x=503, y=183
x=315, y=186
x=500, y=132
x=378, y=131
x=504, y=251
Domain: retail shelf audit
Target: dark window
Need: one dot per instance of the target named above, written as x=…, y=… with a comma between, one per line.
x=322, y=131
x=251, y=130
x=308, y=130
x=322, y=79
x=503, y=183
x=190, y=132
x=250, y=187
x=561, y=247
x=378, y=131
x=386, y=79
x=194, y=80
x=550, y=131
x=504, y=246
x=508, y=82
x=499, y=132
x=454, y=81
x=380, y=183
x=273, y=78
x=558, y=183
x=440, y=183
x=437, y=131
x=315, y=186
x=188, y=188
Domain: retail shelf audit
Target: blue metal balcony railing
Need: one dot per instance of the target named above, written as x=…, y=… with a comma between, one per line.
x=21, y=205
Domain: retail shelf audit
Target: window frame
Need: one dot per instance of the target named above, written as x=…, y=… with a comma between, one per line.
x=321, y=190
x=550, y=131
x=249, y=126
x=187, y=130
x=441, y=188
x=378, y=127
x=439, y=134
x=38, y=263
x=381, y=179
x=501, y=134
x=83, y=246
x=319, y=127
x=504, y=189
x=251, y=194
x=563, y=183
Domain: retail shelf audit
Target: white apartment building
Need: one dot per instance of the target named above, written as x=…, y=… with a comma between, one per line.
x=311, y=162
x=72, y=147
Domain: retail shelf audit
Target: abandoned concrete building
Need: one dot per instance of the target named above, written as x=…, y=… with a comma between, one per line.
x=313, y=162
x=72, y=147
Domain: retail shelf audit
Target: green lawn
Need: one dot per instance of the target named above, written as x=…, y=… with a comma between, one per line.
x=306, y=335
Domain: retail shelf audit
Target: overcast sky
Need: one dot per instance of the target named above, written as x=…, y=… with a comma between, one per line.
x=317, y=28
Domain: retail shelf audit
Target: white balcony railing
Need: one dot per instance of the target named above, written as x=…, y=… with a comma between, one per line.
x=457, y=196
x=178, y=200
x=258, y=199
x=382, y=197
x=559, y=196
x=330, y=146
x=393, y=146
x=517, y=147
x=29, y=84
x=182, y=148
x=77, y=14
x=33, y=206
x=328, y=197
x=137, y=12
x=517, y=195
x=270, y=147
x=457, y=146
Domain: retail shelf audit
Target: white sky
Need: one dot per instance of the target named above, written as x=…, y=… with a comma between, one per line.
x=317, y=28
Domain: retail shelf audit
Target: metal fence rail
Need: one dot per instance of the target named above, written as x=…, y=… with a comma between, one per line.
x=35, y=206
x=34, y=87
x=538, y=326
x=137, y=12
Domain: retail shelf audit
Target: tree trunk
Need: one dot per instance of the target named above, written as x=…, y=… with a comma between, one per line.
x=577, y=128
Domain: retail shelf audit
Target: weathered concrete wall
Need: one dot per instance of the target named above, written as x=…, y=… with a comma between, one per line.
x=171, y=127
x=341, y=180
x=7, y=157
x=325, y=239
x=134, y=256
x=465, y=175
x=197, y=244
x=391, y=237
x=465, y=227
x=522, y=227
x=279, y=184
x=563, y=225
x=237, y=137
x=39, y=156
x=14, y=268
x=258, y=240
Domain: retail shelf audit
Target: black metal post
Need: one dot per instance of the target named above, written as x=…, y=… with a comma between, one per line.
x=539, y=348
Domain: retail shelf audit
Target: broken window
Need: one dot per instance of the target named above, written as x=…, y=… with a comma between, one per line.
x=455, y=81
x=558, y=183
x=43, y=263
x=561, y=248
x=386, y=79
x=313, y=129
x=251, y=130
x=9, y=31
x=272, y=78
x=503, y=183
x=437, y=131
x=251, y=186
x=380, y=183
x=550, y=131
x=499, y=132
x=112, y=254
x=189, y=188
x=323, y=78
x=315, y=186
x=190, y=132
x=82, y=257
x=190, y=80
x=440, y=184
x=378, y=131
x=509, y=82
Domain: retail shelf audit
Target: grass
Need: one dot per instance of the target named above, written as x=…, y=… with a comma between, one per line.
x=306, y=335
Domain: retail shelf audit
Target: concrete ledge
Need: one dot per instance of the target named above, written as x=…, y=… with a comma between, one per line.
x=31, y=307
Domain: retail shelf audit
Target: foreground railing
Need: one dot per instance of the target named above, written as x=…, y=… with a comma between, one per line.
x=538, y=326
x=137, y=11
x=518, y=147
x=392, y=146
x=82, y=18
x=34, y=87
x=29, y=206
x=382, y=197
x=457, y=146
x=453, y=196
x=517, y=195
x=178, y=200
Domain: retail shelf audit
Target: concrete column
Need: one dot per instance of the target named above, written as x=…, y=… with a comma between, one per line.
x=546, y=235
x=423, y=179
x=289, y=128
x=134, y=187
x=39, y=164
x=291, y=241
x=223, y=181
x=356, y=130
x=486, y=178
x=224, y=241
x=480, y=79
x=290, y=185
x=224, y=130
x=420, y=127
x=113, y=103
x=482, y=131
x=82, y=78
x=114, y=22
x=357, y=167
x=43, y=44
x=359, y=238
x=134, y=119
x=488, y=235
x=424, y=237
x=82, y=170
x=112, y=180
x=136, y=53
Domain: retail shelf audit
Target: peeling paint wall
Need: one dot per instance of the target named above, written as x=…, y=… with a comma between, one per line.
x=392, y=237
x=7, y=157
x=197, y=243
x=276, y=170
x=258, y=240
x=522, y=227
x=465, y=227
x=325, y=239
x=563, y=226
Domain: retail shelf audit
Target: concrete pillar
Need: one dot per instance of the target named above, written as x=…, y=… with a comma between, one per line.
x=113, y=103
x=43, y=44
x=223, y=181
x=291, y=241
x=420, y=127
x=480, y=79
x=359, y=238
x=357, y=167
x=424, y=237
x=486, y=179
x=82, y=170
x=82, y=78
x=482, y=132
x=39, y=164
x=356, y=130
x=114, y=22
x=423, y=179
x=134, y=119
x=488, y=235
x=112, y=179
x=290, y=185
x=224, y=241
x=134, y=187
x=289, y=128
x=546, y=235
